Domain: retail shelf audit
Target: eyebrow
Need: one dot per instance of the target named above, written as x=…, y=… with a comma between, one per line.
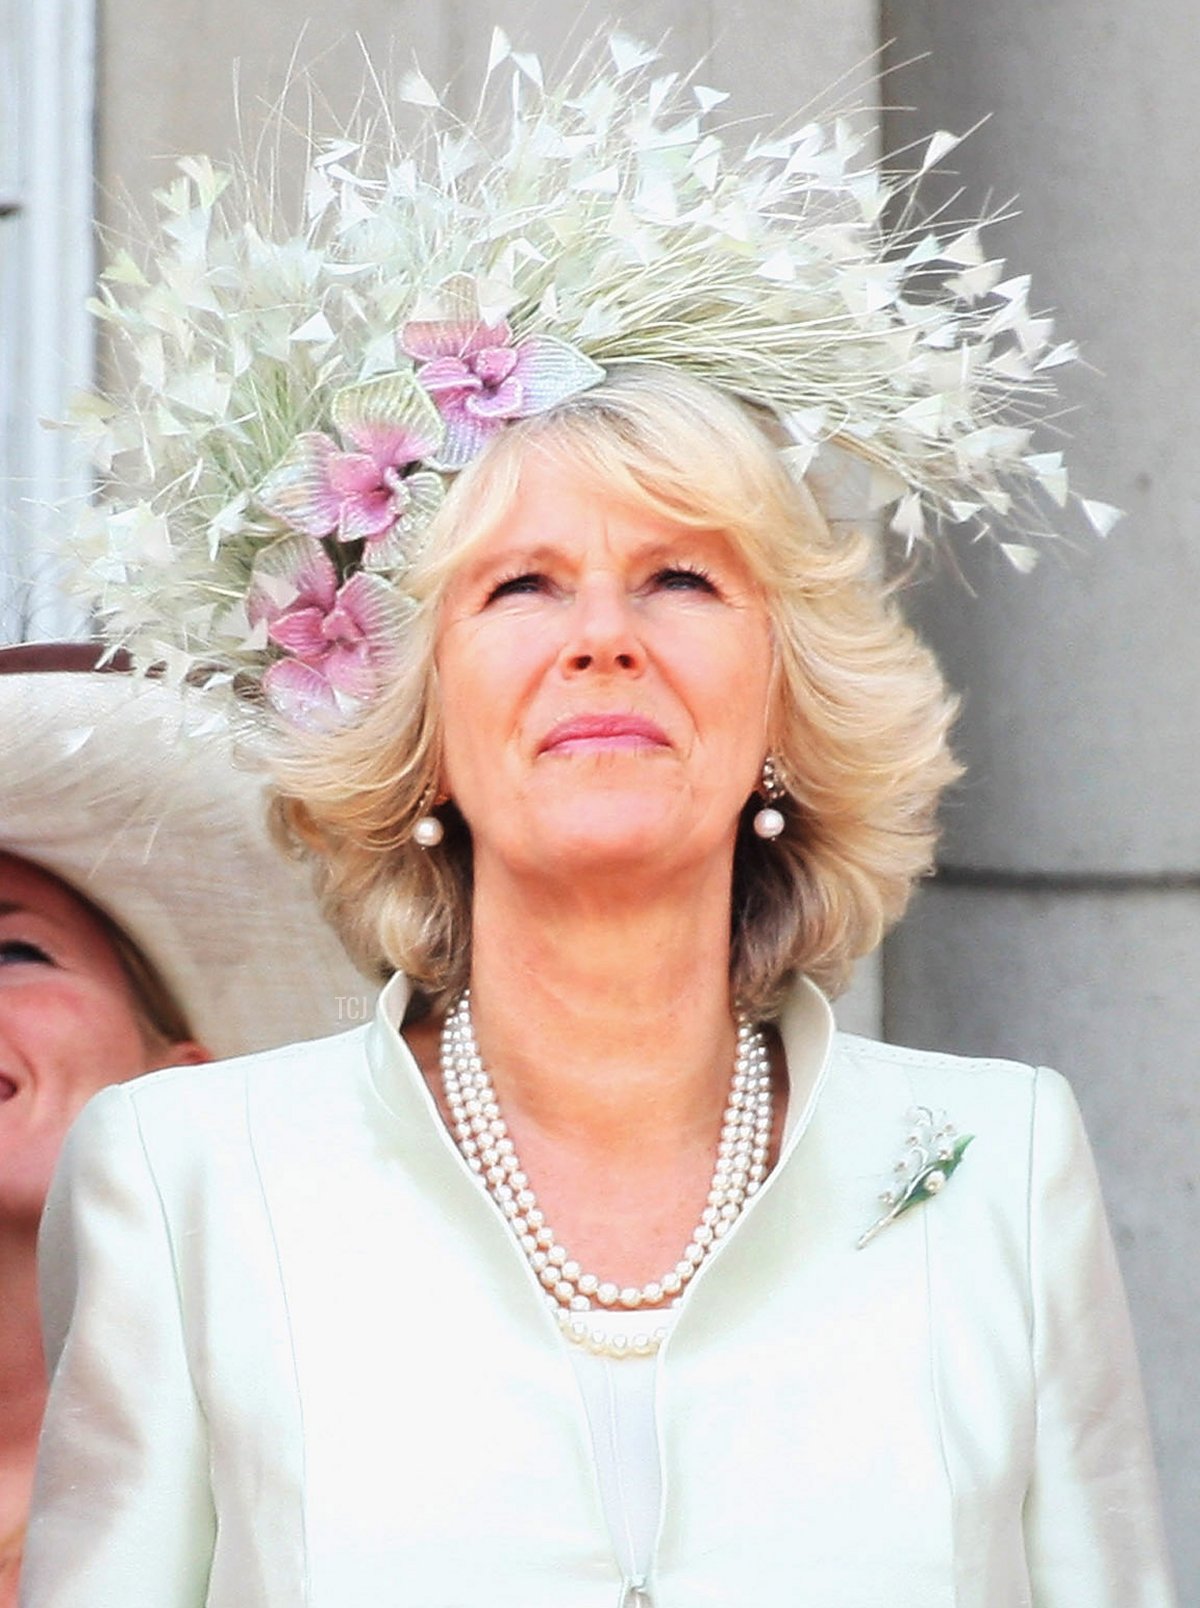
x=538, y=553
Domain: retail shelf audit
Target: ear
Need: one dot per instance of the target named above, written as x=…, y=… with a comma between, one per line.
x=184, y=1052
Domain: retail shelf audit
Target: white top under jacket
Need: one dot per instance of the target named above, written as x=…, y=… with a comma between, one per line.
x=301, y=1362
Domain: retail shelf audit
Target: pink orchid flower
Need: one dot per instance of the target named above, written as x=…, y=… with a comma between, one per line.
x=373, y=493
x=480, y=378
x=338, y=641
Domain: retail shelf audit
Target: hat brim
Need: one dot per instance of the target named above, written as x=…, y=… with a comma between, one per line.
x=113, y=784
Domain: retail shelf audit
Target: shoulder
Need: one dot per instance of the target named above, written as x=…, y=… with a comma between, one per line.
x=984, y=1083
x=297, y=1065
x=1024, y=1119
x=186, y=1147
x=209, y=1103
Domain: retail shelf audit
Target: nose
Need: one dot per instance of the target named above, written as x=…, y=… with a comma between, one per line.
x=603, y=633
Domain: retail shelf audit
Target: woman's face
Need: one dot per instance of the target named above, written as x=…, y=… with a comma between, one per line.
x=68, y=1026
x=605, y=679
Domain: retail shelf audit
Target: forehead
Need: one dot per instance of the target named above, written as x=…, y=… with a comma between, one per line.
x=553, y=506
x=28, y=889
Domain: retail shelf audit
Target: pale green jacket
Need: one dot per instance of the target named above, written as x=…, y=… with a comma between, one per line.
x=300, y=1362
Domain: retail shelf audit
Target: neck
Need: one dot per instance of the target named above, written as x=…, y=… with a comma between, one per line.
x=22, y=1379
x=591, y=1007
x=22, y=1367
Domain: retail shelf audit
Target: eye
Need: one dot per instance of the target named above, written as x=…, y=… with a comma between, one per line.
x=684, y=578
x=20, y=952
x=527, y=584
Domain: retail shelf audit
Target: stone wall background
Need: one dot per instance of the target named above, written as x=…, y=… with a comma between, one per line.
x=1065, y=923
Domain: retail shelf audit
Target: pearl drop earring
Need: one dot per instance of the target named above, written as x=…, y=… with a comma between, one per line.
x=769, y=822
x=427, y=830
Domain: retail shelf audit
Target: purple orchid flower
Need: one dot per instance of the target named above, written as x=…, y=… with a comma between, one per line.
x=338, y=641
x=374, y=493
x=480, y=377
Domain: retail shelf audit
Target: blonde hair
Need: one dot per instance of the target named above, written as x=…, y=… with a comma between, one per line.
x=858, y=731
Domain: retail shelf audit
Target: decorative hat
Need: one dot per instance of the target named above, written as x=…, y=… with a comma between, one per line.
x=300, y=399
x=109, y=783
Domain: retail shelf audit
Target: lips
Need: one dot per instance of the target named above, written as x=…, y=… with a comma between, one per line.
x=598, y=733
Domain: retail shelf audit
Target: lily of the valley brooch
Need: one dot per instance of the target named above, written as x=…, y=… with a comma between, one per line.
x=933, y=1149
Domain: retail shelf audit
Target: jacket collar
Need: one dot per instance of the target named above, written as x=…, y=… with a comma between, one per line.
x=805, y=1024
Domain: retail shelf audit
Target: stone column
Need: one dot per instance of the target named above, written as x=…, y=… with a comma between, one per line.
x=1064, y=925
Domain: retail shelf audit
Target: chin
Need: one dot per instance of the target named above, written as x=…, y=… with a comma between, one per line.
x=618, y=833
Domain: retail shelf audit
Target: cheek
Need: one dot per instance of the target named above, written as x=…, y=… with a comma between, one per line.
x=121, y=1048
x=79, y=1036
x=486, y=688
x=740, y=694
x=731, y=676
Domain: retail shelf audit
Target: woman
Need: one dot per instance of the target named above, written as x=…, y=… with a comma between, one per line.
x=81, y=1005
x=71, y=1021
x=568, y=1279
x=301, y=1406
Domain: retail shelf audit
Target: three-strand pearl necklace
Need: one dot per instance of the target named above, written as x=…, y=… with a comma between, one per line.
x=572, y=1293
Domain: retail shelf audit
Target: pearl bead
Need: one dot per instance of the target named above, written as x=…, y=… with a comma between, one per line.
x=769, y=823
x=428, y=832
x=488, y=1149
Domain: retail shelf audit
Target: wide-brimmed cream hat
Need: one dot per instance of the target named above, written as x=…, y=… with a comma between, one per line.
x=112, y=782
